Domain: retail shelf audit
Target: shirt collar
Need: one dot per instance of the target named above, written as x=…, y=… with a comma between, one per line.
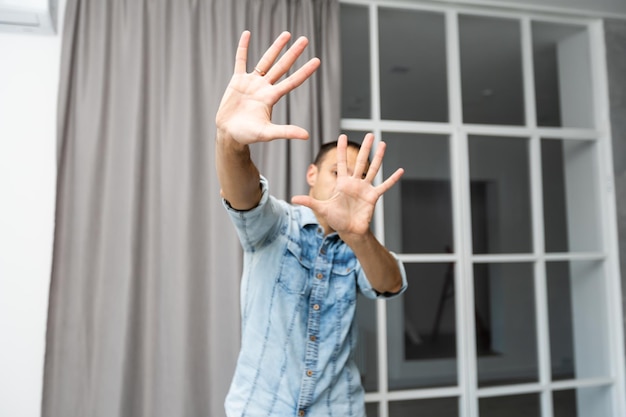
x=308, y=218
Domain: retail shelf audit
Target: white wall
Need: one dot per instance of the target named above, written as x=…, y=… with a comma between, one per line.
x=28, y=93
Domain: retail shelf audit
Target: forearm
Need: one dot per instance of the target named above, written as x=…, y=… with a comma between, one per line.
x=237, y=174
x=380, y=267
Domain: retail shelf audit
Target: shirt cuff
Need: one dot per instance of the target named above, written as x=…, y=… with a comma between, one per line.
x=368, y=291
x=264, y=197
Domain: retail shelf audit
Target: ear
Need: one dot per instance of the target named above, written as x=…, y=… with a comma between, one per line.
x=311, y=175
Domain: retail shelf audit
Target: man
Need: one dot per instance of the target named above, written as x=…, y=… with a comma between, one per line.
x=303, y=264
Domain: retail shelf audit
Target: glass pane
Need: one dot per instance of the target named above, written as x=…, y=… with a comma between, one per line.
x=413, y=69
x=355, y=62
x=560, y=320
x=564, y=403
x=570, y=195
x=439, y=407
x=577, y=319
x=366, y=355
x=500, y=195
x=491, y=70
x=425, y=355
x=594, y=401
x=418, y=210
x=561, y=60
x=354, y=135
x=371, y=409
x=527, y=405
x=505, y=323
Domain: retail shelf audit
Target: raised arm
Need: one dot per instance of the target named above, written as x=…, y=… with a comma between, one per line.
x=245, y=115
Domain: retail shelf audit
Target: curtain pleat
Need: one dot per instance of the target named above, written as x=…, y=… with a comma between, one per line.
x=144, y=318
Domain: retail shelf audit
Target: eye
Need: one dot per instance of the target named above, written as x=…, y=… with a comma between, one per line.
x=334, y=172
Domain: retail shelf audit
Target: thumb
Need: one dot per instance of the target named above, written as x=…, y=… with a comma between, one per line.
x=304, y=200
x=273, y=131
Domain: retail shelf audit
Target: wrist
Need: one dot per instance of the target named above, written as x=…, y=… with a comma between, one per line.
x=227, y=141
x=356, y=240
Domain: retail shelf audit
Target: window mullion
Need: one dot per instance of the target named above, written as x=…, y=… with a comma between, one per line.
x=606, y=190
x=541, y=298
x=466, y=346
x=379, y=219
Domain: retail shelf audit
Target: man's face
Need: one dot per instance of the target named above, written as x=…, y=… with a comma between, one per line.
x=323, y=179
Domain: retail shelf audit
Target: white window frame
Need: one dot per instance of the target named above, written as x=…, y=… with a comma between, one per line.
x=467, y=390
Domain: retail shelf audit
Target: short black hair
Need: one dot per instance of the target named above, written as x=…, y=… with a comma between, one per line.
x=327, y=147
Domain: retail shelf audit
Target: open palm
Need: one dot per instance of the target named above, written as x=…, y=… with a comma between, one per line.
x=350, y=209
x=245, y=112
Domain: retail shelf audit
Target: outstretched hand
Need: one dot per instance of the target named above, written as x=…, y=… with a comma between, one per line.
x=350, y=209
x=245, y=112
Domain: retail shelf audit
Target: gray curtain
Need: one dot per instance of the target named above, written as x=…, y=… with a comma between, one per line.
x=144, y=318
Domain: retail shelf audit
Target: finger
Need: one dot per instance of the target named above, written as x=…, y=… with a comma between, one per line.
x=268, y=58
x=342, y=150
x=389, y=182
x=363, y=155
x=274, y=72
x=241, y=55
x=377, y=161
x=297, y=78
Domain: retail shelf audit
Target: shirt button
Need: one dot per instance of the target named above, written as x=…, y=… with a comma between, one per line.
x=309, y=373
x=301, y=413
x=320, y=275
x=312, y=338
x=316, y=307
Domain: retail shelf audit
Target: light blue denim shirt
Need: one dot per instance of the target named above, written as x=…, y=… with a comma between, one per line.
x=298, y=299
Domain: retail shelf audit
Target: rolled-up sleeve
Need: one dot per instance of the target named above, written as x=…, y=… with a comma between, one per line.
x=256, y=226
x=368, y=291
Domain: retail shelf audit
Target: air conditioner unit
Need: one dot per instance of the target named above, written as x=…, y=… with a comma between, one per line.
x=28, y=16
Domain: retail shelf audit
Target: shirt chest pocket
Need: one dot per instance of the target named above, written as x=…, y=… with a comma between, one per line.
x=294, y=270
x=344, y=280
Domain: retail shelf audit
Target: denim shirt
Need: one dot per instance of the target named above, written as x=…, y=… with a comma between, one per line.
x=298, y=299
